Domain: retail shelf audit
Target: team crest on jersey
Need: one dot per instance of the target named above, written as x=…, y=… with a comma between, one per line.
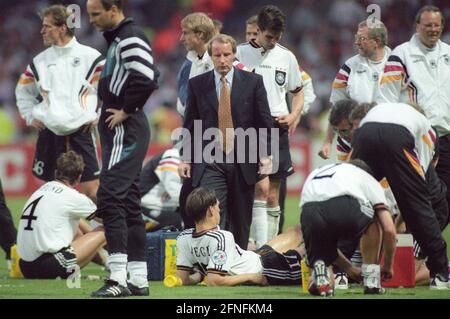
x=447, y=59
x=76, y=61
x=219, y=258
x=375, y=76
x=280, y=77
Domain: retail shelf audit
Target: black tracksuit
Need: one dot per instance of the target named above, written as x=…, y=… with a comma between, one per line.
x=128, y=79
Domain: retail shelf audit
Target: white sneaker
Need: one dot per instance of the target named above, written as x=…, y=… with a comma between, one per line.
x=340, y=280
x=438, y=284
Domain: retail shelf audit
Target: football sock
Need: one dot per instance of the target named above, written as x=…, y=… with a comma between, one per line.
x=259, y=225
x=371, y=275
x=273, y=221
x=138, y=273
x=117, y=263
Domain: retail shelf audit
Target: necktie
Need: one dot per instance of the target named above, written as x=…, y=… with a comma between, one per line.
x=225, y=118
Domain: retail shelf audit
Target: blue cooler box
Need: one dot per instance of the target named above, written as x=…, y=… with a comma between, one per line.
x=161, y=253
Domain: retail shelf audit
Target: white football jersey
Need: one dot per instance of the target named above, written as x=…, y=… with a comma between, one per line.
x=416, y=123
x=215, y=251
x=50, y=219
x=342, y=179
x=279, y=69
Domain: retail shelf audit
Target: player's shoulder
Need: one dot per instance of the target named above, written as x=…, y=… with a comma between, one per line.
x=186, y=233
x=249, y=45
x=353, y=61
x=247, y=75
x=201, y=79
x=88, y=51
x=219, y=235
x=43, y=55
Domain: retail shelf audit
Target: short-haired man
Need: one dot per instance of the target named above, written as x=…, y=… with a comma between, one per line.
x=197, y=29
x=280, y=71
x=50, y=220
x=57, y=94
x=210, y=251
x=251, y=28
x=227, y=100
x=259, y=231
x=360, y=76
x=418, y=71
x=127, y=81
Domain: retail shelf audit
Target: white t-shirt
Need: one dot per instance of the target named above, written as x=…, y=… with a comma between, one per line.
x=279, y=69
x=50, y=219
x=340, y=179
x=215, y=251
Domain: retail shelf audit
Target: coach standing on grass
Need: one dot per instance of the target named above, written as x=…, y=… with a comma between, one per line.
x=226, y=100
x=127, y=81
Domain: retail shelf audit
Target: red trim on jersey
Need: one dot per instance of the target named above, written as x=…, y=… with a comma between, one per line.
x=390, y=68
x=169, y=162
x=341, y=76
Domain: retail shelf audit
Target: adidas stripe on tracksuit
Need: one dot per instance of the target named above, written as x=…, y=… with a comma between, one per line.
x=128, y=79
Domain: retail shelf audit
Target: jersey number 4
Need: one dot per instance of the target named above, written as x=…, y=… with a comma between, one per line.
x=30, y=217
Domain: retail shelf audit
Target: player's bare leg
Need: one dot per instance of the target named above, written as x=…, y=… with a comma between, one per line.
x=87, y=246
x=90, y=189
x=291, y=239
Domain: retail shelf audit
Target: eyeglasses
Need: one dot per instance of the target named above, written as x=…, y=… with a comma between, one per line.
x=359, y=38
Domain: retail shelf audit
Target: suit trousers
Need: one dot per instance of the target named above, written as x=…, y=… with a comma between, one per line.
x=383, y=147
x=235, y=197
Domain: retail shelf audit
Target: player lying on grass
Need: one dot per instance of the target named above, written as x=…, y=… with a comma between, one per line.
x=208, y=250
x=47, y=241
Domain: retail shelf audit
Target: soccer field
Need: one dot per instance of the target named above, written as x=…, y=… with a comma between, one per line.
x=92, y=275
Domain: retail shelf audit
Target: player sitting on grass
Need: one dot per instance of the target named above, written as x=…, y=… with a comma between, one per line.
x=49, y=223
x=214, y=252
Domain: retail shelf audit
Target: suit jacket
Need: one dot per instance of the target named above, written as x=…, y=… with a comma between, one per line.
x=249, y=108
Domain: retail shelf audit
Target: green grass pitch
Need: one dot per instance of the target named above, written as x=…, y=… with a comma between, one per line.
x=92, y=275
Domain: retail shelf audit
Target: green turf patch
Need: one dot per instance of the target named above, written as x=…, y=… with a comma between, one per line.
x=58, y=289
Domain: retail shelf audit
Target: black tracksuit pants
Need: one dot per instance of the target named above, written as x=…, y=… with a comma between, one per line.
x=118, y=197
x=389, y=151
x=443, y=167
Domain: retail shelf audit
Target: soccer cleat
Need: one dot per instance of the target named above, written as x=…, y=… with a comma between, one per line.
x=112, y=289
x=341, y=281
x=136, y=291
x=439, y=284
x=321, y=283
x=374, y=291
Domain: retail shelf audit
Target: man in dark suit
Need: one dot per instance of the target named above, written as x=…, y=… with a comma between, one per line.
x=221, y=105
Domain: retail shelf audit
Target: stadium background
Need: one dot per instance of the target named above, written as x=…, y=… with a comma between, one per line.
x=319, y=32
